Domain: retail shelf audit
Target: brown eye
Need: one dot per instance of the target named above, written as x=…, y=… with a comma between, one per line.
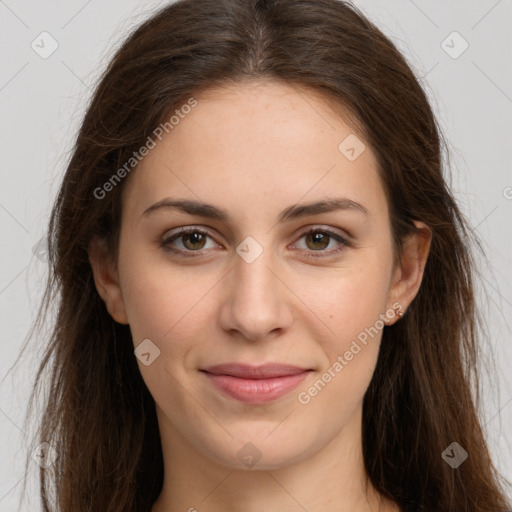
x=193, y=240
x=187, y=240
x=317, y=240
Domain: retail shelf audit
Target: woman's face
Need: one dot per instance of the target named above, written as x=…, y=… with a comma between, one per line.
x=252, y=287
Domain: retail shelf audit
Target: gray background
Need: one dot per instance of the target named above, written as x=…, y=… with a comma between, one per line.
x=42, y=102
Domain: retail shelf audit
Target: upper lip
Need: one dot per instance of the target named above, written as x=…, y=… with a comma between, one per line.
x=246, y=371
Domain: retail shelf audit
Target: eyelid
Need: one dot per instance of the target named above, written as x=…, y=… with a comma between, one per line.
x=341, y=233
x=344, y=239
x=175, y=235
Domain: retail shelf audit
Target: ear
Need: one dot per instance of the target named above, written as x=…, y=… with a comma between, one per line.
x=106, y=280
x=409, y=274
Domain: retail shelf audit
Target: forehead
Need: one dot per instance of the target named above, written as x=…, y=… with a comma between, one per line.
x=255, y=145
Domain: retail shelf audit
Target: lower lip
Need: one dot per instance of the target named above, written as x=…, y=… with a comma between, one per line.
x=256, y=391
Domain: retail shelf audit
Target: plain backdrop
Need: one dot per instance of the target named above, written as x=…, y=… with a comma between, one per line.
x=460, y=50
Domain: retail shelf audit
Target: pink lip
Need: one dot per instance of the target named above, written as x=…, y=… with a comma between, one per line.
x=255, y=384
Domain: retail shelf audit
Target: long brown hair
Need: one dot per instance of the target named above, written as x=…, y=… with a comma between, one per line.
x=98, y=414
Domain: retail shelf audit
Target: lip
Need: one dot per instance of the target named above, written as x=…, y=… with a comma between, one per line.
x=255, y=384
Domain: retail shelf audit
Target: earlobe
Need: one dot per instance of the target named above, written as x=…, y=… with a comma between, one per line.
x=106, y=280
x=409, y=275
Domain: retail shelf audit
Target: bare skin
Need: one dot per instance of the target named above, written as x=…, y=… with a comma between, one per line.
x=253, y=150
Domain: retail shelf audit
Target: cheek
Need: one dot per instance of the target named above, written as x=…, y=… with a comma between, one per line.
x=351, y=305
x=349, y=347
x=151, y=307
x=349, y=301
x=164, y=304
x=352, y=346
x=159, y=297
x=338, y=390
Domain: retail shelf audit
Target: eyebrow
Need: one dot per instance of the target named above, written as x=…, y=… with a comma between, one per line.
x=290, y=213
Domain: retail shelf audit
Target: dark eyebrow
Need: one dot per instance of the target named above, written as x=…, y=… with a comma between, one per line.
x=292, y=212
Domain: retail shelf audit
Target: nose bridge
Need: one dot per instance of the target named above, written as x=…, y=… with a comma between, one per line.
x=256, y=301
x=255, y=279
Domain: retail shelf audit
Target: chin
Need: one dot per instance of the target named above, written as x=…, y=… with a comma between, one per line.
x=261, y=451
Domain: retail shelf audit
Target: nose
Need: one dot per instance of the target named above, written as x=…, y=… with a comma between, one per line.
x=256, y=302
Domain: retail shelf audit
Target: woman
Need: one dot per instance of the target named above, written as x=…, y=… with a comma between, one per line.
x=266, y=297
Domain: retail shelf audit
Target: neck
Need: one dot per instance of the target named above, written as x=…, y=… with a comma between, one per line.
x=332, y=478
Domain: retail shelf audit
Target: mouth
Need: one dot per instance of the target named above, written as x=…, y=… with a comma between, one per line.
x=255, y=384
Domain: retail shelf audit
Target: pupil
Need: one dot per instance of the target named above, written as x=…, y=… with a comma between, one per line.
x=196, y=239
x=319, y=238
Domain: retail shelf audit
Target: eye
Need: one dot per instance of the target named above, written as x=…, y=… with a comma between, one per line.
x=193, y=242
x=318, y=238
x=192, y=239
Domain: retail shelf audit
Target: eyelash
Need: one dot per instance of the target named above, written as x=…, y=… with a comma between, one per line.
x=310, y=254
